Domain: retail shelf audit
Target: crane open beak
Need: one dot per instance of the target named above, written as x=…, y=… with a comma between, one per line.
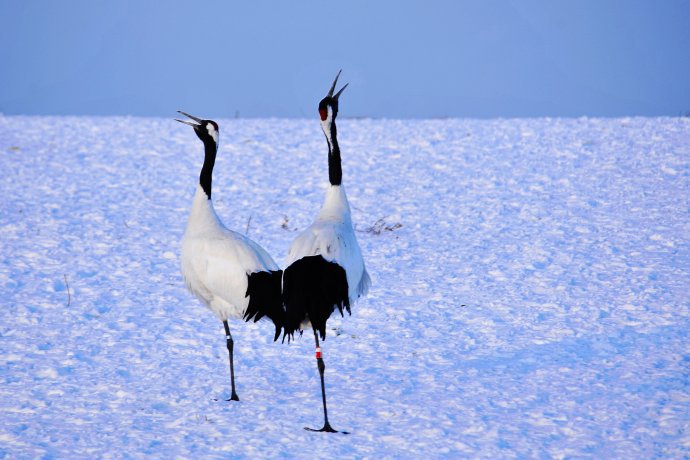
x=194, y=125
x=337, y=95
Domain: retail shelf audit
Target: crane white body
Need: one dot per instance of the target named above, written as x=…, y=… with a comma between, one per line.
x=332, y=236
x=216, y=261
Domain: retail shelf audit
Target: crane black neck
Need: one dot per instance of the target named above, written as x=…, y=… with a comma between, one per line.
x=335, y=172
x=206, y=175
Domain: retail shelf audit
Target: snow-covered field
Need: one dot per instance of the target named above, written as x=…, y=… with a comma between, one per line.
x=530, y=298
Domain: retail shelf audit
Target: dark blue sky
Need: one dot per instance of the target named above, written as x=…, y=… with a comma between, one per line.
x=403, y=59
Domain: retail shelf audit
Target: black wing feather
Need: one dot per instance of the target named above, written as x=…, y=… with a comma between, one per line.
x=312, y=288
x=263, y=290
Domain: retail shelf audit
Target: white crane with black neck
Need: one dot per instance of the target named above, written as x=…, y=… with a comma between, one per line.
x=231, y=274
x=324, y=268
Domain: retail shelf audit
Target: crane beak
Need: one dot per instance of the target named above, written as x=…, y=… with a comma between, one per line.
x=337, y=95
x=330, y=92
x=194, y=125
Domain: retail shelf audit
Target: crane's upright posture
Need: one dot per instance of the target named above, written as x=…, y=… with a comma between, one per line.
x=325, y=268
x=231, y=274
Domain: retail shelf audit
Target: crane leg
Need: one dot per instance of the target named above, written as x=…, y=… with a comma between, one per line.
x=230, y=345
x=322, y=367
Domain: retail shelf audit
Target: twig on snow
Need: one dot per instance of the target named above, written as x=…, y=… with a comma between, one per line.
x=380, y=226
x=249, y=221
x=69, y=296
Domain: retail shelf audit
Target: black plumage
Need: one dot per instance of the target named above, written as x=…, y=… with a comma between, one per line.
x=264, y=292
x=312, y=289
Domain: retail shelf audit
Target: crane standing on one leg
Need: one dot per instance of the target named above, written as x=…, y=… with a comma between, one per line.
x=231, y=274
x=325, y=268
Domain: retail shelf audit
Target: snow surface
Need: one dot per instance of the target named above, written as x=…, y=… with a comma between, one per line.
x=530, y=292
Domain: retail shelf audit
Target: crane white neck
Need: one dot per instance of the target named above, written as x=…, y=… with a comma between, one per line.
x=202, y=217
x=335, y=172
x=335, y=205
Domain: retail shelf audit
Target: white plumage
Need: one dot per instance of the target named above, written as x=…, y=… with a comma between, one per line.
x=216, y=261
x=332, y=237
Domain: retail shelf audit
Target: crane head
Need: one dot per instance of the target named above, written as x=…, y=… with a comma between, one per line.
x=206, y=130
x=328, y=107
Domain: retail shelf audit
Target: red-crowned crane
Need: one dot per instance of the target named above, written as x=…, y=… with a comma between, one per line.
x=324, y=268
x=231, y=274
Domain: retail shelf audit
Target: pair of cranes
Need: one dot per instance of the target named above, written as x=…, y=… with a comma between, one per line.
x=237, y=278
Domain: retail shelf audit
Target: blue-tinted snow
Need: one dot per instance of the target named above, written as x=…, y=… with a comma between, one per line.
x=534, y=301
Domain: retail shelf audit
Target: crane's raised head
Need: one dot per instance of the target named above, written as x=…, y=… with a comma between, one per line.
x=207, y=130
x=328, y=107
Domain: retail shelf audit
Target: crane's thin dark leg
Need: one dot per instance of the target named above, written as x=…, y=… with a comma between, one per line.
x=322, y=367
x=230, y=344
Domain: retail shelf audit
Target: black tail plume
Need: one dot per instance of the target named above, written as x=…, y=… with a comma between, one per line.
x=263, y=290
x=312, y=288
